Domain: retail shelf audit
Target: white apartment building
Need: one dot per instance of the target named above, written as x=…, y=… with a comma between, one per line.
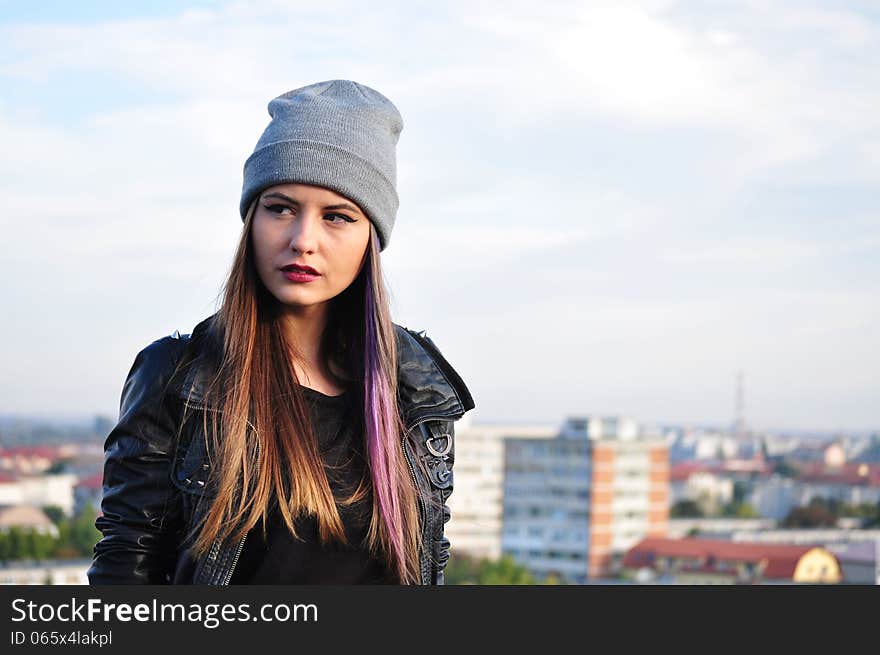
x=475, y=525
x=575, y=503
x=39, y=490
x=776, y=496
x=53, y=572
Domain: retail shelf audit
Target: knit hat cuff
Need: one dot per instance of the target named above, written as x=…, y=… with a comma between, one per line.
x=326, y=165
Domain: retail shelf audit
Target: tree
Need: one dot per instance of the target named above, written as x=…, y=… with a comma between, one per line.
x=504, y=571
x=740, y=509
x=59, y=466
x=54, y=512
x=5, y=546
x=15, y=548
x=812, y=516
x=25, y=543
x=746, y=511
x=551, y=579
x=463, y=569
x=38, y=545
x=77, y=537
x=686, y=509
x=786, y=470
x=83, y=533
x=873, y=521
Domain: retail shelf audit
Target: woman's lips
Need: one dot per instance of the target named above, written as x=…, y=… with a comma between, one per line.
x=299, y=276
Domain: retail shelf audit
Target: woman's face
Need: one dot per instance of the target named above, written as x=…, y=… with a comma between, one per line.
x=311, y=226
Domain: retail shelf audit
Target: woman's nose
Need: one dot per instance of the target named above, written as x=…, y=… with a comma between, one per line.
x=304, y=231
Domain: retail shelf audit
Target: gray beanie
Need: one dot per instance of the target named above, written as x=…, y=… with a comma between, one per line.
x=336, y=134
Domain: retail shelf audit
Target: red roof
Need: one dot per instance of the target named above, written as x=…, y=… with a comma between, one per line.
x=756, y=465
x=49, y=452
x=780, y=559
x=684, y=470
x=92, y=482
x=851, y=473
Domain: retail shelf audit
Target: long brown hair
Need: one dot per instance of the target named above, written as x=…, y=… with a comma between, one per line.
x=268, y=452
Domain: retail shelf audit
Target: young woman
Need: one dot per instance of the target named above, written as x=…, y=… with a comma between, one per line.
x=297, y=435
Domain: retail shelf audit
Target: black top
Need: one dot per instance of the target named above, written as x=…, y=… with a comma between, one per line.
x=281, y=559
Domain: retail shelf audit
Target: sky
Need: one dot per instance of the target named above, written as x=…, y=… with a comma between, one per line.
x=605, y=208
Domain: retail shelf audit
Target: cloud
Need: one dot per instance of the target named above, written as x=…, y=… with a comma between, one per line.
x=644, y=63
x=577, y=180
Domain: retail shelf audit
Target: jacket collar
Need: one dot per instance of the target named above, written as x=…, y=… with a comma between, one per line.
x=428, y=386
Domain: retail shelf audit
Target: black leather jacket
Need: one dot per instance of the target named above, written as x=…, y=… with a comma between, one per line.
x=154, y=478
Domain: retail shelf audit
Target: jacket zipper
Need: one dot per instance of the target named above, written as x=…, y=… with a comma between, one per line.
x=244, y=536
x=422, y=511
x=215, y=547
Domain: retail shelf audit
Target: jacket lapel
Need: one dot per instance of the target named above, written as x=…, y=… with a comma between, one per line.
x=428, y=386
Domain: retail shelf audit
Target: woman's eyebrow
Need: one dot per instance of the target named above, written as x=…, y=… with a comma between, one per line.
x=342, y=205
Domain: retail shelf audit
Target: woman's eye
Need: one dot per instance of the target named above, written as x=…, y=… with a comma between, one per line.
x=343, y=217
x=281, y=209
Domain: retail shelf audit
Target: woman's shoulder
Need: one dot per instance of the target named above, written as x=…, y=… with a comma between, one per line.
x=169, y=349
x=416, y=344
x=160, y=354
x=161, y=365
x=420, y=359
